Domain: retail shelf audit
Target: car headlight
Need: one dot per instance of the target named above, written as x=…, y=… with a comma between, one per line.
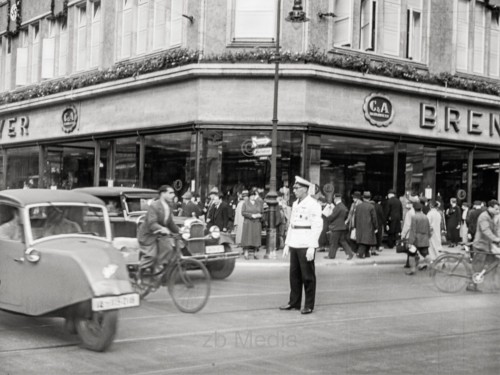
x=215, y=231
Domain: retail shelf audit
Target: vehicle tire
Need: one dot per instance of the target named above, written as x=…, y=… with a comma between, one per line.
x=189, y=285
x=450, y=273
x=221, y=269
x=97, y=332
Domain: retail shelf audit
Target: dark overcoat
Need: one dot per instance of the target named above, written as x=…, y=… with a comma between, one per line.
x=420, y=230
x=337, y=220
x=219, y=216
x=252, y=227
x=365, y=223
x=394, y=215
x=454, y=218
x=155, y=220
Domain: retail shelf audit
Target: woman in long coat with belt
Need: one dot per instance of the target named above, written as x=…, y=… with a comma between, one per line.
x=252, y=225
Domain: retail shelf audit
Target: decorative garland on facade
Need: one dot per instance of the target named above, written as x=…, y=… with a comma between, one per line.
x=15, y=10
x=61, y=16
x=180, y=57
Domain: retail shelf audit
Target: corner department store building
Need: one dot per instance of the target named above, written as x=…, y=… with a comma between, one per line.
x=206, y=124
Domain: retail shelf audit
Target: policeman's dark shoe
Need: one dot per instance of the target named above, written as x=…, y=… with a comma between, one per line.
x=289, y=307
x=306, y=310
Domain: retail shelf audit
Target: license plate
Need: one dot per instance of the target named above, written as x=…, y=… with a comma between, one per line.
x=116, y=302
x=214, y=249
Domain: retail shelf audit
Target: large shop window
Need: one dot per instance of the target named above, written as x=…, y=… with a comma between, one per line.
x=416, y=169
x=485, y=175
x=168, y=161
x=68, y=166
x=343, y=165
x=127, y=155
x=236, y=160
x=22, y=168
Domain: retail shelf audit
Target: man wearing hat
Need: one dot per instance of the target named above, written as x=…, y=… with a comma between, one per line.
x=189, y=208
x=218, y=213
x=472, y=216
x=365, y=222
x=394, y=214
x=155, y=245
x=301, y=241
x=338, y=228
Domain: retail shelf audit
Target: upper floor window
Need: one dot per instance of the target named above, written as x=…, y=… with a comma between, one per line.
x=28, y=55
x=477, y=27
x=6, y=78
x=95, y=34
x=148, y=25
x=389, y=27
x=81, y=37
x=254, y=19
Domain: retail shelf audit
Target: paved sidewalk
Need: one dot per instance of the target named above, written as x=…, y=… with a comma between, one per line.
x=386, y=256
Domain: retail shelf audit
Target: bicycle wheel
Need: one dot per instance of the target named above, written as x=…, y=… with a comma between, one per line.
x=450, y=274
x=189, y=285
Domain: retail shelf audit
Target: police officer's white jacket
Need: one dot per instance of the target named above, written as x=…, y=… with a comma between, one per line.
x=306, y=224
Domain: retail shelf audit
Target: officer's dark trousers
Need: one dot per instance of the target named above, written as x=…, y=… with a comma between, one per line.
x=302, y=273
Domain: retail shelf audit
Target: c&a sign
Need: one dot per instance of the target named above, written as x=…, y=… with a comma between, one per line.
x=378, y=110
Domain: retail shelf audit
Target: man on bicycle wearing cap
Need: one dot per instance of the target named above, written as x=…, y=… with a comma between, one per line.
x=153, y=233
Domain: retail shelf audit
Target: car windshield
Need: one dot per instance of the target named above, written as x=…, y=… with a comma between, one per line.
x=139, y=203
x=53, y=219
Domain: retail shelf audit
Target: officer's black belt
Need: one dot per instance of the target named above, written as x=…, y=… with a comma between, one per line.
x=301, y=227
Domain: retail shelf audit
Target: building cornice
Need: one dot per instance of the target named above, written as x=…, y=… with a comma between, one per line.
x=287, y=72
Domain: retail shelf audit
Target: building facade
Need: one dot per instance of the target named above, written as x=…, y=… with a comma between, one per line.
x=148, y=92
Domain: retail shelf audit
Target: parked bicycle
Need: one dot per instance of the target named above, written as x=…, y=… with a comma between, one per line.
x=452, y=272
x=187, y=280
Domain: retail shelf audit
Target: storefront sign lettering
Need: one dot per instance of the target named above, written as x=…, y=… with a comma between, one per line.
x=476, y=121
x=378, y=110
x=69, y=119
x=15, y=126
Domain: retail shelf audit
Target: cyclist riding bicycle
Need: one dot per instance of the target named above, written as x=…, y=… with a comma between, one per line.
x=156, y=246
x=484, y=239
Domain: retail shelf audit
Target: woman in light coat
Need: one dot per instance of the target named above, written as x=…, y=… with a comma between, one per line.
x=238, y=217
x=435, y=221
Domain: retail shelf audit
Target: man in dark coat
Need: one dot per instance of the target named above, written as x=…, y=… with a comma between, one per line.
x=471, y=219
x=155, y=245
x=338, y=229
x=365, y=222
x=454, y=218
x=393, y=214
x=377, y=203
x=189, y=208
x=418, y=239
x=218, y=213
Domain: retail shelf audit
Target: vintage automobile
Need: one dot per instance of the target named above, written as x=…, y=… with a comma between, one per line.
x=57, y=259
x=128, y=205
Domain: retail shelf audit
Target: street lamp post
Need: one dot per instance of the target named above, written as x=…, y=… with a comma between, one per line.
x=296, y=15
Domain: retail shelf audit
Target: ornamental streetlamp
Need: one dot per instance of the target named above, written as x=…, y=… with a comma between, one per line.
x=297, y=15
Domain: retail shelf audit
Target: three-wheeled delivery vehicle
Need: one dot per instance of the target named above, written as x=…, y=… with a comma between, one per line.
x=57, y=259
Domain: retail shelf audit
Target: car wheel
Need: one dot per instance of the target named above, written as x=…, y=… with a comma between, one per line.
x=97, y=332
x=221, y=269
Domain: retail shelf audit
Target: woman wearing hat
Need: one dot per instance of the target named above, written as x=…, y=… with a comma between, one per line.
x=238, y=217
x=454, y=217
x=251, y=210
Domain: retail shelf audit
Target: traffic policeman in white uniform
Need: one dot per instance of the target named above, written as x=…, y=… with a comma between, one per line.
x=301, y=242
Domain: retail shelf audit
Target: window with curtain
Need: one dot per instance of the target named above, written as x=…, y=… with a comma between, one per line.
x=22, y=58
x=479, y=37
x=95, y=34
x=494, y=63
x=49, y=50
x=414, y=30
x=81, y=37
x=254, y=19
x=342, y=23
x=35, y=53
x=462, y=34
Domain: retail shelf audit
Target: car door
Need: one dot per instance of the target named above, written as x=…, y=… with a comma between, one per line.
x=12, y=249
